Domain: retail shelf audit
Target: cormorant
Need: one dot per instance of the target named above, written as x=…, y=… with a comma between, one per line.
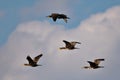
x=56, y=16
x=33, y=62
x=94, y=64
x=70, y=45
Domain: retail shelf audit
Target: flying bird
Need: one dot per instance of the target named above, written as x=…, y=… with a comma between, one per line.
x=70, y=45
x=33, y=62
x=95, y=64
x=56, y=16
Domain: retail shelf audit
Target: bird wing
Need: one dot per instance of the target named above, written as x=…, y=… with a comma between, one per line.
x=97, y=61
x=30, y=60
x=74, y=43
x=67, y=44
x=54, y=18
x=92, y=64
x=62, y=16
x=37, y=58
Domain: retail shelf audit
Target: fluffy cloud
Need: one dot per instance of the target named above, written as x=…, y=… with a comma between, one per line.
x=99, y=35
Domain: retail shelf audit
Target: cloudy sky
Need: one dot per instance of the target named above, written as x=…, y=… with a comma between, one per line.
x=25, y=30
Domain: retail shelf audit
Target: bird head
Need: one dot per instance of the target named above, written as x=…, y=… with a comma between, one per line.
x=26, y=64
x=49, y=16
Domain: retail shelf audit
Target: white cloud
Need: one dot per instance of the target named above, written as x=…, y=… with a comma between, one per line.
x=99, y=35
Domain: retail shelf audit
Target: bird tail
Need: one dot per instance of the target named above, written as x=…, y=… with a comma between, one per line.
x=101, y=66
x=68, y=18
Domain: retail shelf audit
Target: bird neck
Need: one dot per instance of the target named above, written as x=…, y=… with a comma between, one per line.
x=27, y=64
x=63, y=48
x=87, y=67
x=49, y=16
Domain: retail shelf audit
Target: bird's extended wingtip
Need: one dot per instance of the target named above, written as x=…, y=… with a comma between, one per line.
x=79, y=42
x=41, y=54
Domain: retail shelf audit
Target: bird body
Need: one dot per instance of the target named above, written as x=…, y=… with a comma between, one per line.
x=56, y=16
x=33, y=62
x=70, y=45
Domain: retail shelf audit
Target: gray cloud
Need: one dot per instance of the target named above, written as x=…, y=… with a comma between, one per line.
x=99, y=35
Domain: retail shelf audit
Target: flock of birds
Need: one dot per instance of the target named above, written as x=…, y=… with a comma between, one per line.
x=68, y=45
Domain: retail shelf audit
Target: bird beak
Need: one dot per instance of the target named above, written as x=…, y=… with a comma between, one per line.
x=59, y=48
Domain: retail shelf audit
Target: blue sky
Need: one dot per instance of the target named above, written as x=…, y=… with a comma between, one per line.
x=25, y=30
x=80, y=10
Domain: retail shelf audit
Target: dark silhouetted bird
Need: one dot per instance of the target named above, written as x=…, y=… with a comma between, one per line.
x=95, y=64
x=70, y=45
x=33, y=62
x=56, y=16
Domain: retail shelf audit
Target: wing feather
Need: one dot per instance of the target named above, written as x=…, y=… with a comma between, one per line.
x=97, y=61
x=30, y=60
x=37, y=58
x=67, y=44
